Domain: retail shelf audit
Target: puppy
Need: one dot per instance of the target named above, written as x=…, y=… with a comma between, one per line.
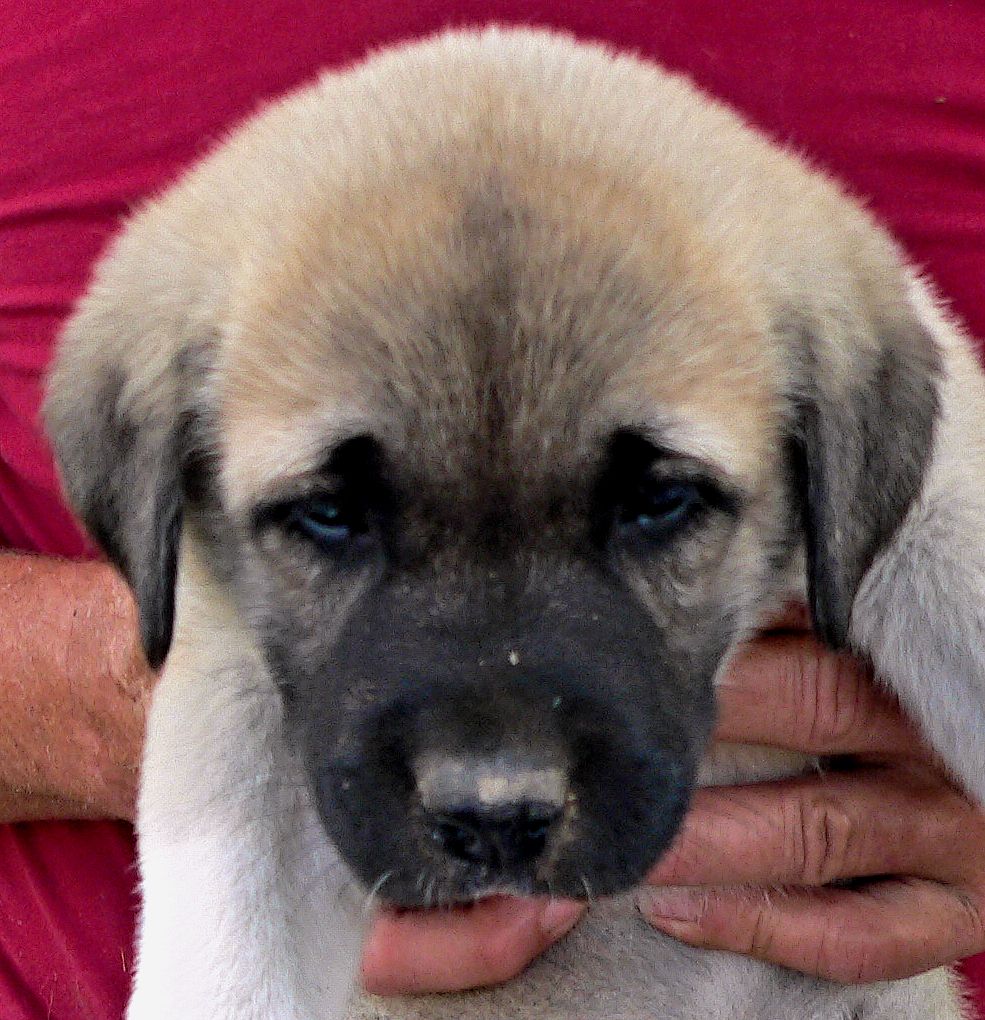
x=453, y=424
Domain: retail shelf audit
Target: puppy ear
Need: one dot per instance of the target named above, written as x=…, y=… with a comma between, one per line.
x=118, y=430
x=863, y=440
x=892, y=447
x=121, y=476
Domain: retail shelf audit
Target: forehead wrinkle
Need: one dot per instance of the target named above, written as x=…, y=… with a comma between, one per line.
x=494, y=324
x=686, y=432
x=264, y=453
x=669, y=322
x=730, y=417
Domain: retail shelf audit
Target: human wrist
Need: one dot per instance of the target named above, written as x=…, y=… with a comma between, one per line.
x=75, y=692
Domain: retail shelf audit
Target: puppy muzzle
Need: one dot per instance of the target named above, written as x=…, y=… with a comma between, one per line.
x=537, y=745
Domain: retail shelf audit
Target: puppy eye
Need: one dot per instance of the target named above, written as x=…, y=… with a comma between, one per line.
x=326, y=521
x=659, y=507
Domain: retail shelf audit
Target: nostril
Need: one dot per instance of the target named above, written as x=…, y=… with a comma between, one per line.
x=460, y=839
x=497, y=812
x=503, y=836
x=530, y=837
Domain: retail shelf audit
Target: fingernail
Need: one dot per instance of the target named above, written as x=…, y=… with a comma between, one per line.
x=670, y=904
x=559, y=917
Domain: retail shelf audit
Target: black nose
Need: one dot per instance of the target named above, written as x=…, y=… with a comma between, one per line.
x=500, y=836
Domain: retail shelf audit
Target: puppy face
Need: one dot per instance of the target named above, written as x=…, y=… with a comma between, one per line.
x=504, y=567
x=493, y=425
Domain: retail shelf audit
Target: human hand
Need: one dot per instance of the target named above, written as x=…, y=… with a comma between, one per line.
x=758, y=858
x=756, y=862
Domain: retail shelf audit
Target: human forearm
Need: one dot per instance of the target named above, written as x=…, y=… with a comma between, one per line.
x=73, y=690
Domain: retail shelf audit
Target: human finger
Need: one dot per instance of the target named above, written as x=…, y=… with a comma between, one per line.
x=788, y=690
x=815, y=830
x=417, y=951
x=884, y=931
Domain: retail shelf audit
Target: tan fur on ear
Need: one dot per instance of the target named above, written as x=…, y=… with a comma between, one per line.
x=117, y=412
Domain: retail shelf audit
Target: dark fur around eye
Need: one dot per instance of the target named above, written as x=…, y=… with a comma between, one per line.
x=658, y=507
x=645, y=494
x=341, y=506
x=327, y=520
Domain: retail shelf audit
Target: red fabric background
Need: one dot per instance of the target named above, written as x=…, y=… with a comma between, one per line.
x=102, y=103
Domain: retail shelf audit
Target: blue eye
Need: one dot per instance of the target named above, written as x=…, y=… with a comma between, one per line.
x=658, y=507
x=324, y=521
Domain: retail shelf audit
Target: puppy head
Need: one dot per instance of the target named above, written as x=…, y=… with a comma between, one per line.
x=497, y=425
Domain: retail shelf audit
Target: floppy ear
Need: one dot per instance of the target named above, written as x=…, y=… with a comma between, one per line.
x=122, y=478
x=118, y=428
x=863, y=442
x=892, y=450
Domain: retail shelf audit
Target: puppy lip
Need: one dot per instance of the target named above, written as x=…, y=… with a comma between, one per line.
x=478, y=887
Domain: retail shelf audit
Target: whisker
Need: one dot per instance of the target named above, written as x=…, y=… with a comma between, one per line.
x=370, y=899
x=588, y=889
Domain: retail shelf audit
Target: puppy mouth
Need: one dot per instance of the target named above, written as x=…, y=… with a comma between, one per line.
x=441, y=888
x=507, y=853
x=457, y=860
